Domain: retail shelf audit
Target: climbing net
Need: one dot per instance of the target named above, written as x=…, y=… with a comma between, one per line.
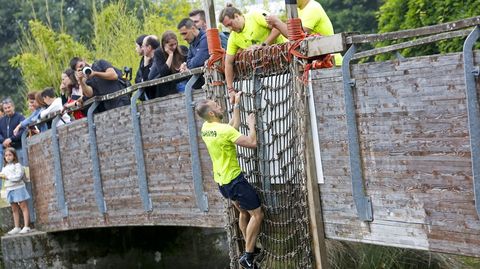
x=276, y=168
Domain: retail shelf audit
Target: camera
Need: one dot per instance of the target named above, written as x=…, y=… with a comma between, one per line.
x=87, y=71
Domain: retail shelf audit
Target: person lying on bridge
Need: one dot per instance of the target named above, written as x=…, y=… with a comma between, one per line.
x=247, y=30
x=221, y=139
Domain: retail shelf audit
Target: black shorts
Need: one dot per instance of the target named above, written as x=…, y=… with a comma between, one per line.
x=241, y=191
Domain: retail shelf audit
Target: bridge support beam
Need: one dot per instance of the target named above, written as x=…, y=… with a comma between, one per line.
x=363, y=203
x=141, y=173
x=473, y=110
x=57, y=163
x=97, y=177
x=200, y=195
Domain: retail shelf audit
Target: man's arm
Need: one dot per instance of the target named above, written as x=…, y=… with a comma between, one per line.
x=87, y=90
x=229, y=59
x=274, y=22
x=249, y=141
x=109, y=74
x=235, y=121
x=272, y=36
x=200, y=56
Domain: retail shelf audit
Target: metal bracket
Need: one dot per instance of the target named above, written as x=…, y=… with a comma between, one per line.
x=363, y=203
x=473, y=110
x=137, y=138
x=57, y=164
x=97, y=178
x=200, y=195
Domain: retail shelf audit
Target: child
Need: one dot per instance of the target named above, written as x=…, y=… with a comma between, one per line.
x=17, y=194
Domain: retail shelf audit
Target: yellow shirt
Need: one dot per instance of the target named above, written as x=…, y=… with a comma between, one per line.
x=314, y=17
x=254, y=32
x=220, y=140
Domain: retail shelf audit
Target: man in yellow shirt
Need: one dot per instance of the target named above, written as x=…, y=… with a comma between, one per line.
x=221, y=139
x=314, y=21
x=250, y=29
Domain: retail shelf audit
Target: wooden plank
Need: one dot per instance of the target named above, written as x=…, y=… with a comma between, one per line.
x=321, y=45
x=412, y=43
x=427, y=30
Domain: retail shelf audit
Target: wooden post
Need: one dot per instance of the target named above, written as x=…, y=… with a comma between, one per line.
x=209, y=8
x=315, y=207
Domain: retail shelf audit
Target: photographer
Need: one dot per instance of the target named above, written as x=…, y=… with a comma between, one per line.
x=99, y=79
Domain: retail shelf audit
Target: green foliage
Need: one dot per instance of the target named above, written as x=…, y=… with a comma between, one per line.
x=352, y=15
x=365, y=256
x=44, y=55
x=46, y=52
x=115, y=31
x=397, y=15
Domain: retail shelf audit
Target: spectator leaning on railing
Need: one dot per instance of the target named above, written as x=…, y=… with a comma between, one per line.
x=99, y=79
x=54, y=105
x=198, y=50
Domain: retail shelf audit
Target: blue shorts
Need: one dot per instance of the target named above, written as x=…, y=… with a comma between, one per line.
x=17, y=195
x=241, y=191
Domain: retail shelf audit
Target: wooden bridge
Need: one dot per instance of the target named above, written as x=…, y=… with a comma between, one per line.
x=398, y=144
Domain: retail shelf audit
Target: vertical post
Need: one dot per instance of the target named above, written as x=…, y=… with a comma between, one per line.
x=209, y=8
x=57, y=164
x=363, y=203
x=200, y=195
x=97, y=178
x=140, y=160
x=291, y=7
x=313, y=124
x=30, y=202
x=473, y=110
x=313, y=194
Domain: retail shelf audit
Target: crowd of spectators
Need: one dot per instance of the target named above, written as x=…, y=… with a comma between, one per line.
x=159, y=57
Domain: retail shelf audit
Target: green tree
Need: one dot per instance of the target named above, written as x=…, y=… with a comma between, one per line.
x=44, y=55
x=397, y=15
x=45, y=52
x=352, y=15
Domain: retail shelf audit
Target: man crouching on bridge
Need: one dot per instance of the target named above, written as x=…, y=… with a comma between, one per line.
x=221, y=139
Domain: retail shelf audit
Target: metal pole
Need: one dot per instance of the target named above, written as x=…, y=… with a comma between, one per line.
x=362, y=202
x=28, y=185
x=137, y=132
x=200, y=195
x=473, y=110
x=97, y=178
x=57, y=164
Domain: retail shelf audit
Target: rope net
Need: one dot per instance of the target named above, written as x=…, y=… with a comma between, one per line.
x=276, y=168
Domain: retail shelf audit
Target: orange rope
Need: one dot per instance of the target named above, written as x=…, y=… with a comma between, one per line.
x=297, y=35
x=217, y=53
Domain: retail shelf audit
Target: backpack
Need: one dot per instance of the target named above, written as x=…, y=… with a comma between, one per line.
x=125, y=76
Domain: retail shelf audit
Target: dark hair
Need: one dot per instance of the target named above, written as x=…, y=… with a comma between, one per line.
x=152, y=41
x=71, y=75
x=229, y=11
x=13, y=151
x=197, y=12
x=39, y=99
x=202, y=108
x=31, y=95
x=187, y=22
x=49, y=91
x=74, y=61
x=139, y=39
x=178, y=56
